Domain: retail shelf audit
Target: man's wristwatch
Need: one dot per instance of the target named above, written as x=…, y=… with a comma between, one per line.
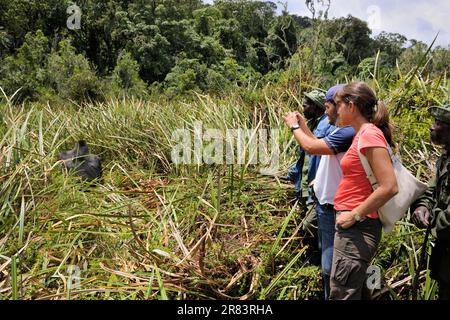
x=356, y=216
x=295, y=127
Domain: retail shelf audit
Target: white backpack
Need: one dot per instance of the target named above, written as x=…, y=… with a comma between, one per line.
x=409, y=190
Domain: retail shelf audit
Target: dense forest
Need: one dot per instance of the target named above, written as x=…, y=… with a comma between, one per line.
x=124, y=75
x=173, y=46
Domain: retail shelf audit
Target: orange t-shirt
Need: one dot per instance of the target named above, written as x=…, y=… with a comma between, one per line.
x=355, y=188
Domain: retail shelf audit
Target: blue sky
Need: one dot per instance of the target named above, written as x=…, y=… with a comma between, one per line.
x=416, y=19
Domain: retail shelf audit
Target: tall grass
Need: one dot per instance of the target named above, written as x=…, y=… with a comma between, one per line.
x=151, y=229
x=145, y=205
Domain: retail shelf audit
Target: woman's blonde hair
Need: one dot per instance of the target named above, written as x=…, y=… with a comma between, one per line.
x=368, y=105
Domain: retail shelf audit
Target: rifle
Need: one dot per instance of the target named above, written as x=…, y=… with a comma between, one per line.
x=415, y=284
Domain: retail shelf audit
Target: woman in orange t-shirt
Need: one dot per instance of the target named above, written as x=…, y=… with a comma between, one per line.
x=358, y=227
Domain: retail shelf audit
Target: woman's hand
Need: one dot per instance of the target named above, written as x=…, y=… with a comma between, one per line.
x=345, y=220
x=291, y=119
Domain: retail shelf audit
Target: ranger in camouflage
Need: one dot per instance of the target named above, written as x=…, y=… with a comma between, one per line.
x=434, y=206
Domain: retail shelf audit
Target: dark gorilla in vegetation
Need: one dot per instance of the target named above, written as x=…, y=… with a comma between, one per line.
x=85, y=165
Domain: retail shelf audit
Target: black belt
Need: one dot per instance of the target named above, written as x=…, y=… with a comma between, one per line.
x=328, y=206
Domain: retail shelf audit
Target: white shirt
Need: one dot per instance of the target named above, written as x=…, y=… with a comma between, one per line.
x=329, y=172
x=328, y=177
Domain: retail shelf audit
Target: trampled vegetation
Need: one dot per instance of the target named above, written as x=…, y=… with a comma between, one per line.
x=131, y=76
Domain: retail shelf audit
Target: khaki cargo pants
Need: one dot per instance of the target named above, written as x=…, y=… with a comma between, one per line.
x=353, y=252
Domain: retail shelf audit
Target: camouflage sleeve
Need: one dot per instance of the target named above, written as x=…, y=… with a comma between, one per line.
x=443, y=221
x=428, y=199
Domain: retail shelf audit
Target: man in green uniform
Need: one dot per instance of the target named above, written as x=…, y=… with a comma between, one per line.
x=434, y=206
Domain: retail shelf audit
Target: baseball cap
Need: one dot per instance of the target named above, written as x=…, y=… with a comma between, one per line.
x=330, y=93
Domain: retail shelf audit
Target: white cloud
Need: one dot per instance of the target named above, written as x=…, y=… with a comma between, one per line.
x=420, y=20
x=416, y=19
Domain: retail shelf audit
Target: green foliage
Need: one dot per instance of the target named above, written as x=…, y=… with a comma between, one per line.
x=191, y=75
x=206, y=20
x=232, y=38
x=353, y=38
x=187, y=45
x=282, y=41
x=27, y=70
x=412, y=56
x=126, y=79
x=374, y=67
x=413, y=121
x=254, y=17
x=20, y=17
x=440, y=61
x=235, y=74
x=392, y=44
x=71, y=76
x=188, y=74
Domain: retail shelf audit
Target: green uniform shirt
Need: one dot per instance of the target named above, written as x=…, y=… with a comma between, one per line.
x=437, y=199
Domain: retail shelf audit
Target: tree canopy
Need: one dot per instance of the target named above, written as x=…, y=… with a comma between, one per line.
x=179, y=45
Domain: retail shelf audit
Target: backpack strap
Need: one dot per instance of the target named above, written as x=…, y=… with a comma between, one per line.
x=369, y=173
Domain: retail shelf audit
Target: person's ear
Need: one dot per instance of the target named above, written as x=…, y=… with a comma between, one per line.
x=352, y=106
